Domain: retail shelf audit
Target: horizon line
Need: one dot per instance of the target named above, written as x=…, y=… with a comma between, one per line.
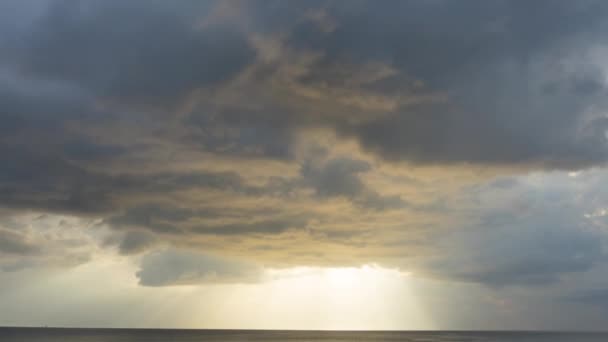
x=314, y=330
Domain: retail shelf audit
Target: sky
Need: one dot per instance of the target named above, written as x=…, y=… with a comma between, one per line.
x=424, y=164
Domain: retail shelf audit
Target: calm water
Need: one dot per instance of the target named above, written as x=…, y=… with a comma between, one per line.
x=103, y=335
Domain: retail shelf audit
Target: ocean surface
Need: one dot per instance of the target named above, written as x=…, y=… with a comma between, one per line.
x=137, y=335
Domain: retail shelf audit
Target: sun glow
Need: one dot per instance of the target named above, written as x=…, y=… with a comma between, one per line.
x=350, y=298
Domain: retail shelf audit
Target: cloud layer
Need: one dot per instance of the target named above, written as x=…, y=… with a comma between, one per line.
x=209, y=140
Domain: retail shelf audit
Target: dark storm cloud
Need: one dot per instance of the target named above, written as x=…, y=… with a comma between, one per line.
x=36, y=180
x=36, y=145
x=502, y=108
x=501, y=64
x=506, y=120
x=517, y=78
x=516, y=75
x=83, y=149
x=494, y=60
x=437, y=40
x=242, y=132
x=172, y=267
x=501, y=83
x=144, y=53
x=47, y=180
x=42, y=107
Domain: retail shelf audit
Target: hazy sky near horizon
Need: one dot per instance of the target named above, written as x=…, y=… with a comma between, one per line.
x=426, y=164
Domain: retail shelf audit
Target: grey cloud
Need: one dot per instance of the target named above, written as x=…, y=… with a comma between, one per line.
x=34, y=180
x=168, y=219
x=45, y=179
x=40, y=107
x=331, y=178
x=83, y=149
x=503, y=183
x=489, y=117
x=493, y=62
x=461, y=37
x=496, y=120
x=16, y=244
x=340, y=177
x=36, y=144
x=595, y=297
x=373, y=200
x=514, y=82
x=137, y=52
x=264, y=226
x=136, y=242
x=526, y=260
x=41, y=242
x=242, y=132
x=534, y=238
x=172, y=267
x=158, y=218
x=229, y=181
x=97, y=119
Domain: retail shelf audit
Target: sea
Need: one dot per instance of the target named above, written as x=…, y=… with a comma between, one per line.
x=153, y=335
